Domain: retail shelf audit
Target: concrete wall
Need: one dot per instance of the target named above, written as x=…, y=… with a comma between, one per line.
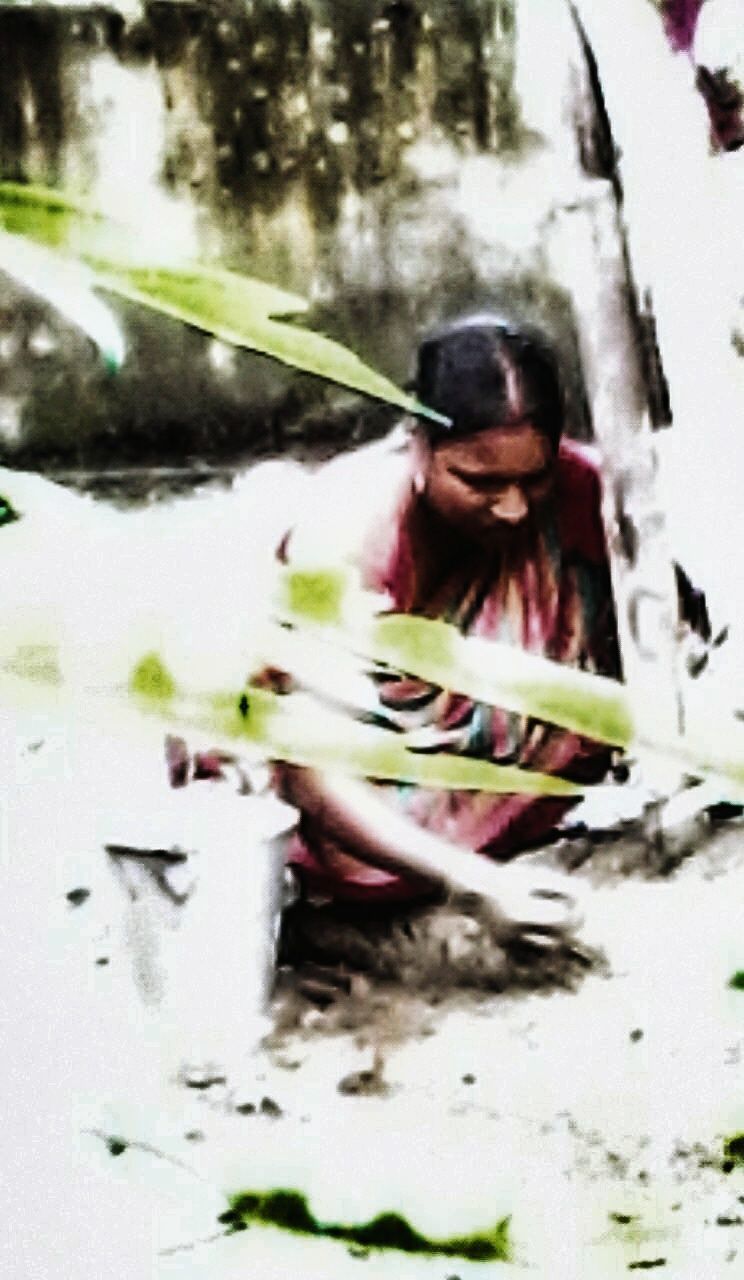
x=392, y=161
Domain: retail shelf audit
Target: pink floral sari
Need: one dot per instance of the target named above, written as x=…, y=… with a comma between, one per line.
x=551, y=597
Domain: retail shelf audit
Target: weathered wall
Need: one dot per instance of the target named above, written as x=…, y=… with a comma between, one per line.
x=389, y=159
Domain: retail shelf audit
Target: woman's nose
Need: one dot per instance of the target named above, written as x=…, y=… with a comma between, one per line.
x=510, y=506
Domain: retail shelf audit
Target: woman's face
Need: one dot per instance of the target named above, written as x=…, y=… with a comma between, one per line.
x=486, y=486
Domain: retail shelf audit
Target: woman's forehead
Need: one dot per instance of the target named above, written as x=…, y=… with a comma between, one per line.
x=515, y=448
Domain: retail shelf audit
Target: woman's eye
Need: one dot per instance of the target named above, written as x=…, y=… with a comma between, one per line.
x=495, y=487
x=482, y=486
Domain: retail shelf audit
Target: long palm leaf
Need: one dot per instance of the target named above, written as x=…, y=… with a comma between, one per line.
x=235, y=308
x=330, y=603
x=299, y=729
x=331, y=618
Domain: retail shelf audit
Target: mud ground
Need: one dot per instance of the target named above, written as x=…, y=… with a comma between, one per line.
x=590, y=1105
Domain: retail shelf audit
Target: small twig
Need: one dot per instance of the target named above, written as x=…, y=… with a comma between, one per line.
x=149, y=1150
x=160, y=855
x=187, y=1248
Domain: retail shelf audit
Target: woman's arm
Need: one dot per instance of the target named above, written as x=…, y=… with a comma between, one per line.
x=352, y=813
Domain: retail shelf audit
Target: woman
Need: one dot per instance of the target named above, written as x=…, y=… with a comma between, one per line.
x=493, y=525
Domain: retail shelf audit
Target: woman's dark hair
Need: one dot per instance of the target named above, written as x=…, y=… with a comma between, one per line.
x=483, y=371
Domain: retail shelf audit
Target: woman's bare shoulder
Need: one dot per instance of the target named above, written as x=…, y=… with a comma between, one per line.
x=351, y=501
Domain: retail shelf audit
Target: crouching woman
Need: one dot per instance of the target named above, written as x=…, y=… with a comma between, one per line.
x=493, y=525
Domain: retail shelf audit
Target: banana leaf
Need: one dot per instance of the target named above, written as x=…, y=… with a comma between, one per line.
x=235, y=308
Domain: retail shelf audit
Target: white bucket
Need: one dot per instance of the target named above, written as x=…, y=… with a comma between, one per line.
x=202, y=934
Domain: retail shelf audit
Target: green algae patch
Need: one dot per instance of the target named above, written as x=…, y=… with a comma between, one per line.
x=736, y=981
x=315, y=595
x=152, y=680
x=733, y=1150
x=289, y=1211
x=7, y=514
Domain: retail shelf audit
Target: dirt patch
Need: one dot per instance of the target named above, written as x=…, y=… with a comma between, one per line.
x=386, y=976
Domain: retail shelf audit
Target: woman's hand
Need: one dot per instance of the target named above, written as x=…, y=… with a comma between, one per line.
x=524, y=902
x=519, y=901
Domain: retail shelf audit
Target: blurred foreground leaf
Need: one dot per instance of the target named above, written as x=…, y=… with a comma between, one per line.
x=324, y=630
x=300, y=730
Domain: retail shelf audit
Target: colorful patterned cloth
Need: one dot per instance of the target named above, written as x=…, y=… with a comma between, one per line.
x=715, y=77
x=551, y=597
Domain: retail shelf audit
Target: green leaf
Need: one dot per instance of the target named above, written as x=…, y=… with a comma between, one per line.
x=45, y=216
x=486, y=670
x=7, y=513
x=72, y=227
x=336, y=619
x=500, y=675
x=151, y=680
x=234, y=308
x=242, y=311
x=300, y=730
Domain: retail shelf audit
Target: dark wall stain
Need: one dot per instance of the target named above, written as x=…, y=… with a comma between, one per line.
x=32, y=96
